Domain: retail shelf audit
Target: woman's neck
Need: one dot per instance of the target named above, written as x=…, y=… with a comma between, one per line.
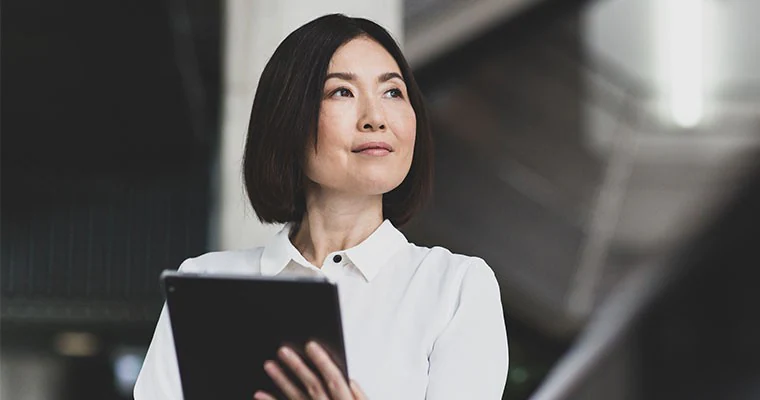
x=335, y=222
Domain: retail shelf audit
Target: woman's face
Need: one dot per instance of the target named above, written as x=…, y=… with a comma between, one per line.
x=367, y=125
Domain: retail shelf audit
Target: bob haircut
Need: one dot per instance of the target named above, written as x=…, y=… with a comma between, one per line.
x=285, y=114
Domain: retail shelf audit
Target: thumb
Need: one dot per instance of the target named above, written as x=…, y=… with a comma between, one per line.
x=357, y=391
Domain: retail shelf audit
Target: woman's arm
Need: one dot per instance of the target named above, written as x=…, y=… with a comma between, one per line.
x=159, y=376
x=470, y=358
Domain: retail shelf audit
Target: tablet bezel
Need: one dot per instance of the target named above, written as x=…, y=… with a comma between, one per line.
x=328, y=304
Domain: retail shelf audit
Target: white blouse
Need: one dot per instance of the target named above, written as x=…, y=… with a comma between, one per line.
x=419, y=323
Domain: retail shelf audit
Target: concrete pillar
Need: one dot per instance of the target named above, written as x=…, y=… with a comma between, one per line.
x=254, y=28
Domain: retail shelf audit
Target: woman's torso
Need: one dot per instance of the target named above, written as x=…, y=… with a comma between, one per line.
x=390, y=322
x=418, y=322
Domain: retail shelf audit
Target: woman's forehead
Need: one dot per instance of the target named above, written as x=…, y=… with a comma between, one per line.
x=363, y=56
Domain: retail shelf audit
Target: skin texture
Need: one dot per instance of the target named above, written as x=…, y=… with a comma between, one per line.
x=366, y=134
x=345, y=186
x=358, y=111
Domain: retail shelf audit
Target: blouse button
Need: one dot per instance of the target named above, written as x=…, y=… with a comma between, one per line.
x=337, y=258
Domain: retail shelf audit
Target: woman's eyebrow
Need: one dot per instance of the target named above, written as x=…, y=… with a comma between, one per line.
x=349, y=76
x=388, y=76
x=346, y=76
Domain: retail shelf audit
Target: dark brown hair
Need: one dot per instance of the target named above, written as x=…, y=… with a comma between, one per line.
x=285, y=115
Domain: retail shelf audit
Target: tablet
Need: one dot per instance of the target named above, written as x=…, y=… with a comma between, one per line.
x=226, y=326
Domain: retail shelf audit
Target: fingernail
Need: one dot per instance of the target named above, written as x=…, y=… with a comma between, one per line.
x=286, y=352
x=313, y=347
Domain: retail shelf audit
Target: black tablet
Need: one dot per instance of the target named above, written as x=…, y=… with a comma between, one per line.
x=226, y=326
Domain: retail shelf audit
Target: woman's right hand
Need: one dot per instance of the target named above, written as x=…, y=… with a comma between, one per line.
x=337, y=387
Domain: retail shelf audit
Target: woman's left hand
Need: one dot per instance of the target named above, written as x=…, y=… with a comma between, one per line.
x=337, y=387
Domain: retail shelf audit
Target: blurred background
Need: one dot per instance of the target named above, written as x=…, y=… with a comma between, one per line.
x=600, y=155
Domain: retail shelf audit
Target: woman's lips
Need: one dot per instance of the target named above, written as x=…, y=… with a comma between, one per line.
x=373, y=149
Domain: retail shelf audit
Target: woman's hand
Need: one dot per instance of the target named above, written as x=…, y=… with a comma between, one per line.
x=337, y=387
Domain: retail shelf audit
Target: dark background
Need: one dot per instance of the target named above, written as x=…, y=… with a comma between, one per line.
x=110, y=127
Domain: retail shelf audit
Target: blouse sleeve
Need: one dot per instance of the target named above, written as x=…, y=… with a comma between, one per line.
x=159, y=376
x=470, y=357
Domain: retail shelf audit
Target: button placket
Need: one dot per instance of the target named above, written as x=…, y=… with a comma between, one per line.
x=335, y=266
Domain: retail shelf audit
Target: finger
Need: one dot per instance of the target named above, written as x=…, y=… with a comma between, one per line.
x=281, y=380
x=357, y=391
x=260, y=395
x=304, y=373
x=332, y=375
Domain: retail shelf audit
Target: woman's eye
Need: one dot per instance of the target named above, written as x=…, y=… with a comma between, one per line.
x=342, y=92
x=395, y=93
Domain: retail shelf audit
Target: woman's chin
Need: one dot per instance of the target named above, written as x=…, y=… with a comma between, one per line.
x=362, y=185
x=376, y=187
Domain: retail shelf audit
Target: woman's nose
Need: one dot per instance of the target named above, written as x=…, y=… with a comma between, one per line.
x=372, y=119
x=373, y=127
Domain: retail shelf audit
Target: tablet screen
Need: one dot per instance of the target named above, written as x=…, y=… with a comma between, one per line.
x=226, y=327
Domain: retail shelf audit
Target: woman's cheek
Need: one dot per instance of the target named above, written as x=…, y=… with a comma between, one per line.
x=408, y=127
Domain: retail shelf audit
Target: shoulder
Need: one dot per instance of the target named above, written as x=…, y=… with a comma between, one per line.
x=450, y=266
x=456, y=286
x=231, y=261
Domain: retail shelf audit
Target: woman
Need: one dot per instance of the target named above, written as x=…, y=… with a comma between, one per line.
x=339, y=149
